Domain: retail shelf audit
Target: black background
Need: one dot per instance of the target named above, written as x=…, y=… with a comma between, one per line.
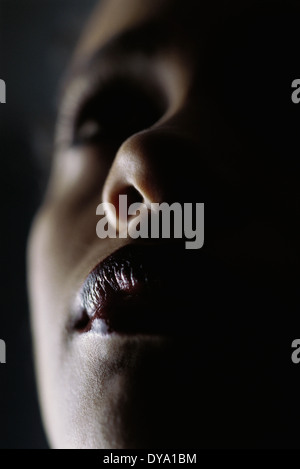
x=36, y=40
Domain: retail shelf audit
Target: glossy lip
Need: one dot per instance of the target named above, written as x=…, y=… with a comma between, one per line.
x=161, y=290
x=121, y=294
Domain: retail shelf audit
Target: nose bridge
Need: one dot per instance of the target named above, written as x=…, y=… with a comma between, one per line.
x=153, y=166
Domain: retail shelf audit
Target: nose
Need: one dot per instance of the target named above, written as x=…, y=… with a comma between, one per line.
x=142, y=171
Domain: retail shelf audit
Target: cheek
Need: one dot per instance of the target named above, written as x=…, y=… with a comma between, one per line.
x=63, y=237
x=48, y=279
x=58, y=240
x=78, y=176
x=67, y=221
x=55, y=273
x=60, y=244
x=46, y=314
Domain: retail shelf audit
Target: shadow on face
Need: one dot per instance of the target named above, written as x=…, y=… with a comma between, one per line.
x=168, y=102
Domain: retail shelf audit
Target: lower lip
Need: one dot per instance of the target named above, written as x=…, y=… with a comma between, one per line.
x=169, y=293
x=118, y=296
x=127, y=312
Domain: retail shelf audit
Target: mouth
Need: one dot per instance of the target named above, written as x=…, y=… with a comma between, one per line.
x=129, y=293
x=162, y=290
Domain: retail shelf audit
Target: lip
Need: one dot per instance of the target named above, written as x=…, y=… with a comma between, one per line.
x=128, y=293
x=162, y=290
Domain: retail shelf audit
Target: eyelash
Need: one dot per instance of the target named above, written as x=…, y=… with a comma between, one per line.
x=118, y=110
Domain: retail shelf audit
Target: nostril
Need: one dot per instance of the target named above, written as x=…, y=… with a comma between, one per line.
x=133, y=195
x=124, y=199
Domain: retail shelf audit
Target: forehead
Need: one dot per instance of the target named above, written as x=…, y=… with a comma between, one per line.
x=112, y=17
x=189, y=18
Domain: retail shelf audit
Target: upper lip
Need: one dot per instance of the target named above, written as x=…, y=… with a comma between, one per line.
x=130, y=292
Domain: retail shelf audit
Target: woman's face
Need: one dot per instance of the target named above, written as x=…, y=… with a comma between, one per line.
x=142, y=343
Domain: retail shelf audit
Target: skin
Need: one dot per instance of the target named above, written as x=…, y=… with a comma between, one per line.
x=219, y=139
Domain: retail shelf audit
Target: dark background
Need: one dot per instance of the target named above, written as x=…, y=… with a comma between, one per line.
x=36, y=40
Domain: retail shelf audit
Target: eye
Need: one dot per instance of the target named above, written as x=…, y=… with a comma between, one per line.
x=114, y=113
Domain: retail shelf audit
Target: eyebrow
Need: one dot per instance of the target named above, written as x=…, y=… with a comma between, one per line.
x=144, y=40
x=91, y=71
